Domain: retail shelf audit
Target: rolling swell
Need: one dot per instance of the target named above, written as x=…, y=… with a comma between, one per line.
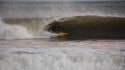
x=89, y=27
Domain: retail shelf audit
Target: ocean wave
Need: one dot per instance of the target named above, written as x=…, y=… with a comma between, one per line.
x=23, y=28
x=13, y=32
x=89, y=27
x=70, y=28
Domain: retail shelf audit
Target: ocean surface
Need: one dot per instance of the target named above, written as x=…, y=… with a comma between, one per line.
x=72, y=35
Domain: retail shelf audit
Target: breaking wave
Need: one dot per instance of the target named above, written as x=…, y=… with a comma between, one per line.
x=13, y=32
x=76, y=27
x=23, y=28
x=89, y=27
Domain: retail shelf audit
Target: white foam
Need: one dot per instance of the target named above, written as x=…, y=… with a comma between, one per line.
x=21, y=32
x=13, y=32
x=60, y=59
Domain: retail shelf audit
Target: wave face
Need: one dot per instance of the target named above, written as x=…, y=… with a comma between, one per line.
x=70, y=28
x=89, y=27
x=60, y=59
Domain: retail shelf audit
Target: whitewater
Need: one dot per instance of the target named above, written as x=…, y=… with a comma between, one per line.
x=45, y=55
x=30, y=36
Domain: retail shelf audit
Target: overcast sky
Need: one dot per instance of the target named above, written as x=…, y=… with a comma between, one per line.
x=61, y=0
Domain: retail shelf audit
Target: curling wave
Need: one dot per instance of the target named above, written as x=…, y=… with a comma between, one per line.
x=89, y=27
x=23, y=28
x=76, y=27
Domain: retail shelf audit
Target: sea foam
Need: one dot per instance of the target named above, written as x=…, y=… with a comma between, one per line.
x=21, y=29
x=13, y=31
x=60, y=59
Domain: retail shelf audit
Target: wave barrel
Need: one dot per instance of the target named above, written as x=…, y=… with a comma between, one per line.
x=89, y=27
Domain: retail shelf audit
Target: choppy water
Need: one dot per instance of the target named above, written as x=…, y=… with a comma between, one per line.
x=70, y=55
x=40, y=50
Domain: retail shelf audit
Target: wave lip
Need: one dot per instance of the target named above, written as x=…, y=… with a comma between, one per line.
x=89, y=27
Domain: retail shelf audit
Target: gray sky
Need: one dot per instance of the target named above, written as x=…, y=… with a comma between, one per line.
x=61, y=0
